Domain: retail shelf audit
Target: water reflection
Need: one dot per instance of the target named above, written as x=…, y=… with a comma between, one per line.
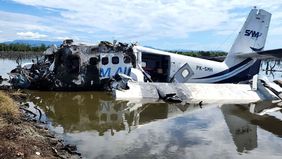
x=137, y=129
x=271, y=68
x=81, y=111
x=243, y=124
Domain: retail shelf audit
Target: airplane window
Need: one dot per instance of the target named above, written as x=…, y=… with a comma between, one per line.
x=114, y=117
x=103, y=117
x=185, y=73
x=93, y=60
x=105, y=60
x=126, y=59
x=115, y=60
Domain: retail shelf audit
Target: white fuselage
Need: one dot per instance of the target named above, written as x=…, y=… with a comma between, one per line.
x=198, y=70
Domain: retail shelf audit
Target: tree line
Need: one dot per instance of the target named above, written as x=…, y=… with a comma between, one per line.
x=29, y=48
x=201, y=53
x=22, y=47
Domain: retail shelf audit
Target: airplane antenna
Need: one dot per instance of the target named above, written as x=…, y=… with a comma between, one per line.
x=228, y=38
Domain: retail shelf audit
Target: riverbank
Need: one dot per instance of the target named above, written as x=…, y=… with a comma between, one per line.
x=19, y=54
x=22, y=137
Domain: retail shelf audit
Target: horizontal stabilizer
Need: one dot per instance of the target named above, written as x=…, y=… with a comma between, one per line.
x=268, y=54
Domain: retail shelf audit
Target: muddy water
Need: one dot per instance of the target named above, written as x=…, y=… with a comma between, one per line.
x=6, y=65
x=104, y=128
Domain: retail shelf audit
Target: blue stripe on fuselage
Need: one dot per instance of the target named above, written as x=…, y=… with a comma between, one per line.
x=245, y=75
x=227, y=70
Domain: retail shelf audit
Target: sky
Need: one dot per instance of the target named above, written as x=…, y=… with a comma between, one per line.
x=163, y=24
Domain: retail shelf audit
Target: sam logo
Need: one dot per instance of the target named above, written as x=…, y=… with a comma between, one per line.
x=252, y=33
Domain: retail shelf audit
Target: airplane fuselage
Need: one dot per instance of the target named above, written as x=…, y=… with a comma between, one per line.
x=188, y=69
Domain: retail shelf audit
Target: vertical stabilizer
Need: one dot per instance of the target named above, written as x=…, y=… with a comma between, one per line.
x=252, y=36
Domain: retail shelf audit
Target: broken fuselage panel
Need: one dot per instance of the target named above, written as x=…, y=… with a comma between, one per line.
x=75, y=67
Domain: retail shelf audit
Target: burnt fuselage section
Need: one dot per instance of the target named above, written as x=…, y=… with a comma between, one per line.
x=75, y=67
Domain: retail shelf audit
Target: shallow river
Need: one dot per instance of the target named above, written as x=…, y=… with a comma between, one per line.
x=104, y=128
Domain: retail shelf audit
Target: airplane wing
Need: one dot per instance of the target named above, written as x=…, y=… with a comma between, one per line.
x=268, y=54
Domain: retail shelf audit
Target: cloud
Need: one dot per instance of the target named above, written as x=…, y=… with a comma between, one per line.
x=13, y=23
x=31, y=35
x=63, y=37
x=140, y=20
x=10, y=20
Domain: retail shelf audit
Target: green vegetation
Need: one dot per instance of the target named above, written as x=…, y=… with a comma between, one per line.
x=17, y=47
x=23, y=51
x=201, y=53
x=22, y=47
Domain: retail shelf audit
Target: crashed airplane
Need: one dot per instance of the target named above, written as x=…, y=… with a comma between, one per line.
x=75, y=67
x=95, y=67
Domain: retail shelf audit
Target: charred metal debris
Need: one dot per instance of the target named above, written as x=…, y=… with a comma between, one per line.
x=75, y=67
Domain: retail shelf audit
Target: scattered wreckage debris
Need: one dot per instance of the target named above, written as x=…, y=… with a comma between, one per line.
x=75, y=67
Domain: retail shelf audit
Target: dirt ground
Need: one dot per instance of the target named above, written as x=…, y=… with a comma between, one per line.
x=21, y=137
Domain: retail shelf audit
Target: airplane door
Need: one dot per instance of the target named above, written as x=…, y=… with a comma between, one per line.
x=183, y=74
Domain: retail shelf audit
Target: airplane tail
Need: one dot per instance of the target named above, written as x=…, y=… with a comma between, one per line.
x=251, y=38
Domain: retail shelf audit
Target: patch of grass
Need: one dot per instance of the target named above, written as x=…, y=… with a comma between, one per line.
x=18, y=95
x=8, y=105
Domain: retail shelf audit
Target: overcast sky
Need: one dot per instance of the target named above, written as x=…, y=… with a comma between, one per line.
x=164, y=24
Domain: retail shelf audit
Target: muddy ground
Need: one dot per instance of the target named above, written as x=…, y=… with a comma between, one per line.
x=24, y=137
